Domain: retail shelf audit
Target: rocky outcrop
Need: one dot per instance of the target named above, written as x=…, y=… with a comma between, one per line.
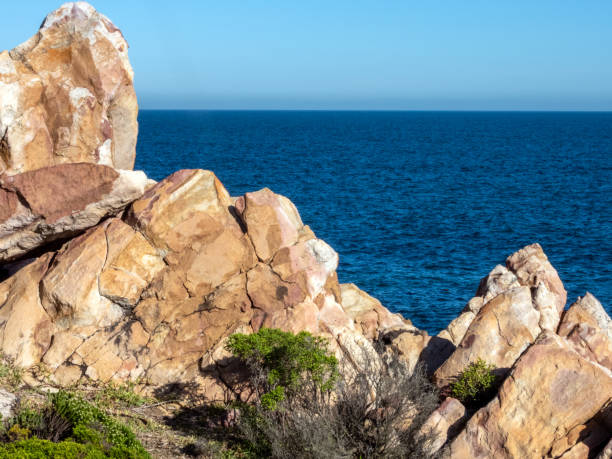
x=66, y=95
x=589, y=329
x=444, y=423
x=57, y=202
x=160, y=290
x=546, y=406
x=512, y=307
x=107, y=276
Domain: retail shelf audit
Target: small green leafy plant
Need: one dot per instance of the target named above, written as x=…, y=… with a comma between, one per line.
x=284, y=363
x=475, y=385
x=92, y=426
x=67, y=426
x=10, y=374
x=120, y=393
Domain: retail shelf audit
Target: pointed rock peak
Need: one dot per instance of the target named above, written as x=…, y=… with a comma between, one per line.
x=67, y=95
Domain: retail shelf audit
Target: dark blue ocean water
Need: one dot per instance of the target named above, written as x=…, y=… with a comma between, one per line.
x=419, y=205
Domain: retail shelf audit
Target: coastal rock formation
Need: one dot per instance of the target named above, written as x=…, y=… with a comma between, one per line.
x=512, y=307
x=159, y=290
x=66, y=95
x=552, y=400
x=444, y=423
x=587, y=326
x=57, y=202
x=109, y=277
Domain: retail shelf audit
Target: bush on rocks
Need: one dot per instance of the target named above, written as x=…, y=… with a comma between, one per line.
x=373, y=414
x=475, y=386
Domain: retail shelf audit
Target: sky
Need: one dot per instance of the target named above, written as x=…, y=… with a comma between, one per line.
x=357, y=55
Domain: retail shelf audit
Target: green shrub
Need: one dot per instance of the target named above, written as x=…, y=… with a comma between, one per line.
x=376, y=413
x=283, y=363
x=475, y=385
x=35, y=448
x=120, y=393
x=90, y=425
x=10, y=374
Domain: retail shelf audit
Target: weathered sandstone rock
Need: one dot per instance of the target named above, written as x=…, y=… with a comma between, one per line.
x=589, y=328
x=56, y=202
x=66, y=95
x=444, y=344
x=532, y=269
x=499, y=334
x=272, y=222
x=583, y=441
x=377, y=323
x=368, y=313
x=153, y=296
x=551, y=392
x=444, y=423
x=512, y=306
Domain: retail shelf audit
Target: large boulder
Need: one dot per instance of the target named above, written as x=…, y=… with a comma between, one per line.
x=66, y=95
x=57, y=202
x=551, y=402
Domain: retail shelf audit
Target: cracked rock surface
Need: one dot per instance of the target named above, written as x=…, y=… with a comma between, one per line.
x=152, y=296
x=57, y=202
x=67, y=95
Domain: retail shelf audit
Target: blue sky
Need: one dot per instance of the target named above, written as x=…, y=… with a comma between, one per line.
x=353, y=54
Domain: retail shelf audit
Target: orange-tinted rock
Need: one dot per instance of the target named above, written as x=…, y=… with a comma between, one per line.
x=581, y=442
x=444, y=423
x=152, y=296
x=549, y=392
x=66, y=95
x=131, y=264
x=368, y=313
x=589, y=328
x=25, y=327
x=532, y=269
x=271, y=220
x=499, y=334
x=60, y=201
x=497, y=281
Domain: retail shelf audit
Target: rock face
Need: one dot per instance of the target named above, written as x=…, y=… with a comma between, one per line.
x=160, y=290
x=512, y=307
x=56, y=202
x=587, y=326
x=542, y=409
x=444, y=423
x=66, y=95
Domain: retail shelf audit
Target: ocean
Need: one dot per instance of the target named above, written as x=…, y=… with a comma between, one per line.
x=419, y=205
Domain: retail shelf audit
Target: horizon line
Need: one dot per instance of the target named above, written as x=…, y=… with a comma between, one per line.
x=375, y=110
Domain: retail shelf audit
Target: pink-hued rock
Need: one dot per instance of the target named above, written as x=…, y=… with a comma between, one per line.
x=66, y=95
x=57, y=202
x=532, y=269
x=539, y=408
x=444, y=423
x=368, y=313
x=499, y=334
x=589, y=328
x=513, y=304
x=154, y=295
x=272, y=221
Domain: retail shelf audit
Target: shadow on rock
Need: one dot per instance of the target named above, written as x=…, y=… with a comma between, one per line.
x=437, y=351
